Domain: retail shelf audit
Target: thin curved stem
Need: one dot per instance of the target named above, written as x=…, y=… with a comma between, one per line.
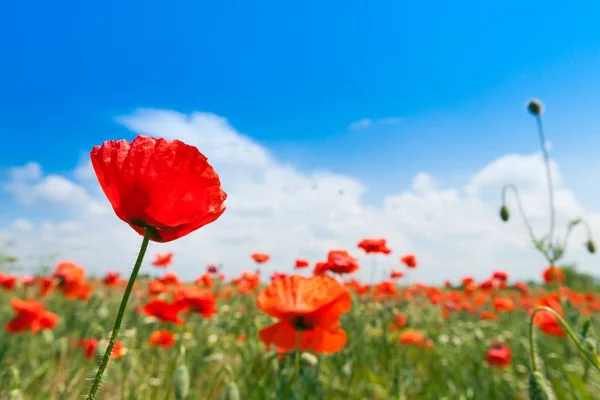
x=569, y=331
x=540, y=127
x=532, y=345
x=520, y=205
x=120, y=314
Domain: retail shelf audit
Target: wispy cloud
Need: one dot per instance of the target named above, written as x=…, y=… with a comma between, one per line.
x=368, y=122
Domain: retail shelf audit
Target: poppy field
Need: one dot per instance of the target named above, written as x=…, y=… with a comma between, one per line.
x=311, y=331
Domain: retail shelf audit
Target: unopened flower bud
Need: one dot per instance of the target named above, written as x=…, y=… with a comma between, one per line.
x=181, y=382
x=535, y=107
x=591, y=246
x=504, y=214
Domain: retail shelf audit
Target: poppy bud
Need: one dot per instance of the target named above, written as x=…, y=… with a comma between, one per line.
x=504, y=214
x=535, y=107
x=591, y=246
x=539, y=388
x=231, y=392
x=181, y=382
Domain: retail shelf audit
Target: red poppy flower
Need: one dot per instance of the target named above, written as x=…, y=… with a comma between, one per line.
x=112, y=279
x=165, y=311
x=395, y=274
x=500, y=275
x=374, y=246
x=213, y=269
x=260, y=258
x=197, y=300
x=412, y=337
x=30, y=316
x=309, y=307
x=546, y=321
x=7, y=281
x=207, y=280
x=341, y=262
x=162, y=338
x=301, y=264
x=553, y=275
x=498, y=355
x=166, y=185
x=163, y=260
x=503, y=304
x=409, y=260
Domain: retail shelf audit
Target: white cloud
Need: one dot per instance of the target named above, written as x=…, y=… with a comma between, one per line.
x=273, y=207
x=367, y=122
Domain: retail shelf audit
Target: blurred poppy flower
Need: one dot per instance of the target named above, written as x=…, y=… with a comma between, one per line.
x=409, y=260
x=374, y=246
x=164, y=311
x=260, y=258
x=301, y=264
x=553, y=275
x=308, y=310
x=30, y=316
x=498, y=355
x=163, y=338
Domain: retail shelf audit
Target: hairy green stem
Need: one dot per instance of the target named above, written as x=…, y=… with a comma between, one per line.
x=117, y=327
x=569, y=331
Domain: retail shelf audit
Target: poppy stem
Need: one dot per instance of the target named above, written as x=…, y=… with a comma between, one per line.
x=117, y=327
x=533, y=349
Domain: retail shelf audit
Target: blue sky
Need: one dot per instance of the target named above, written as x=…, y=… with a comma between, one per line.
x=293, y=77
x=443, y=86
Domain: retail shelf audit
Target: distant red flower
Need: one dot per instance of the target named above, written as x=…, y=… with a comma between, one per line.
x=163, y=260
x=341, y=262
x=409, y=260
x=7, y=281
x=165, y=185
x=205, y=280
x=277, y=275
x=28, y=280
x=30, y=316
x=260, y=258
x=522, y=287
x=412, y=337
x=197, y=301
x=374, y=246
x=553, y=275
x=500, y=275
x=112, y=279
x=396, y=274
x=546, y=321
x=156, y=287
x=467, y=280
x=162, y=338
x=213, y=269
x=164, y=311
x=170, y=278
x=301, y=264
x=503, y=304
x=488, y=315
x=71, y=280
x=309, y=307
x=498, y=355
